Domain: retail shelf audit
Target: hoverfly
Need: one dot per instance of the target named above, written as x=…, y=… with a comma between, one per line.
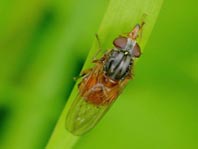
x=102, y=84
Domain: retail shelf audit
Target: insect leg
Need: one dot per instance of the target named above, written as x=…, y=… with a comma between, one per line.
x=83, y=73
x=100, y=60
x=124, y=82
x=99, y=45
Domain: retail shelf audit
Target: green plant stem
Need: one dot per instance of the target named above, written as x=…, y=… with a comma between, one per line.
x=120, y=18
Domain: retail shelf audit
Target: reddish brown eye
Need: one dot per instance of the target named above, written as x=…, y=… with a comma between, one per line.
x=136, y=51
x=120, y=42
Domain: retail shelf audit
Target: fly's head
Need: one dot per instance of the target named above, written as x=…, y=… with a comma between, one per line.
x=128, y=45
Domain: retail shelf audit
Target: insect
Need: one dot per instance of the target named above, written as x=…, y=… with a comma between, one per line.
x=102, y=84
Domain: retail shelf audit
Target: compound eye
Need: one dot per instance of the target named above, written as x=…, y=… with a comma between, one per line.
x=136, y=51
x=120, y=42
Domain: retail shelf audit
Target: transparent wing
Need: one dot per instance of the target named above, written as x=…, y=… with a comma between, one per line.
x=83, y=116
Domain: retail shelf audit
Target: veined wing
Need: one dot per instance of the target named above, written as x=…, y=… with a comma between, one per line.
x=83, y=116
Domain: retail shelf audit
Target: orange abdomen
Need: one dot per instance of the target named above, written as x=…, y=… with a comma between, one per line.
x=98, y=89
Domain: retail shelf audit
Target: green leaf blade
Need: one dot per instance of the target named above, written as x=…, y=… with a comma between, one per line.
x=119, y=18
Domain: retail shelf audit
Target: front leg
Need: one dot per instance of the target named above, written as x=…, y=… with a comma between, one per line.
x=103, y=58
x=99, y=45
x=83, y=73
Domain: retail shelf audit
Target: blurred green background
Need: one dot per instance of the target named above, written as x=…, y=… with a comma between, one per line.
x=43, y=45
